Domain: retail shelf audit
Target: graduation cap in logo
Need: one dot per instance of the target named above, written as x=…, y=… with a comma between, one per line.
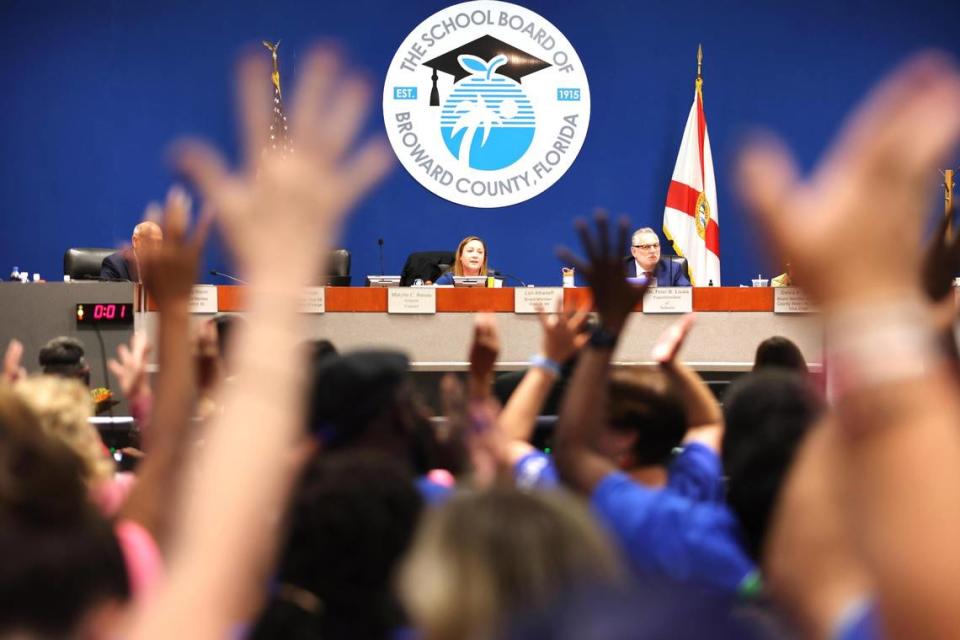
x=519, y=63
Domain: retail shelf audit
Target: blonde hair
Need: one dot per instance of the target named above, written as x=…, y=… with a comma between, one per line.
x=484, y=556
x=63, y=407
x=457, y=267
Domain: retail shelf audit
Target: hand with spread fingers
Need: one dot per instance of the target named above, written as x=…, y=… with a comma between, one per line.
x=613, y=296
x=170, y=270
x=563, y=333
x=665, y=351
x=301, y=196
x=864, y=202
x=130, y=368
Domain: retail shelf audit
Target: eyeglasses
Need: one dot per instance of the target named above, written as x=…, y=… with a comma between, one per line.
x=647, y=247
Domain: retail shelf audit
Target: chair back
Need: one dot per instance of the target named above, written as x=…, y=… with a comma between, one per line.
x=425, y=265
x=337, y=273
x=83, y=263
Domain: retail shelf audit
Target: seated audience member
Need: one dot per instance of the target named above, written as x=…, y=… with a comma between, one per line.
x=484, y=558
x=652, y=413
x=664, y=533
x=470, y=260
x=766, y=416
x=63, y=408
x=320, y=349
x=366, y=400
x=61, y=567
x=779, y=352
x=63, y=356
x=352, y=518
x=646, y=263
x=125, y=264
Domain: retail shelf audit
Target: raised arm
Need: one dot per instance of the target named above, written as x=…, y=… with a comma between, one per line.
x=130, y=369
x=897, y=402
x=584, y=409
x=169, y=273
x=704, y=416
x=562, y=338
x=280, y=217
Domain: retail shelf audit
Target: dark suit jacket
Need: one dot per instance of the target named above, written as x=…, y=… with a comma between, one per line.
x=119, y=266
x=667, y=273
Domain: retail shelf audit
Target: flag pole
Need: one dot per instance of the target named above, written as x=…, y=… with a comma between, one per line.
x=698, y=85
x=275, y=76
x=948, y=199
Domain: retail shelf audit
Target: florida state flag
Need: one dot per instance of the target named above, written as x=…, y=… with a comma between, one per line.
x=690, y=217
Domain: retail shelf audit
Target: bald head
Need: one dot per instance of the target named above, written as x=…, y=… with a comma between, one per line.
x=146, y=235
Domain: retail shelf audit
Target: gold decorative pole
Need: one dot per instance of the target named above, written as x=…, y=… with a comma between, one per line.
x=699, y=83
x=279, y=132
x=948, y=200
x=276, y=67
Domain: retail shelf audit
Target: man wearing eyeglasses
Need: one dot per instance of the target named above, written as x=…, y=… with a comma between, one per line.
x=646, y=261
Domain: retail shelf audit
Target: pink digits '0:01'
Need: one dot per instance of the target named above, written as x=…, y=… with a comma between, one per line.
x=104, y=311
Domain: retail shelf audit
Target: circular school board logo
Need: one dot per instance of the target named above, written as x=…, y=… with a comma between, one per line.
x=486, y=104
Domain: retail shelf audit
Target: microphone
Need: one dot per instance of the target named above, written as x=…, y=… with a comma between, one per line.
x=380, y=242
x=496, y=273
x=214, y=272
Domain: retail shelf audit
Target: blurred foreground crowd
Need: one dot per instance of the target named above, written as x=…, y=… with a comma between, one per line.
x=288, y=491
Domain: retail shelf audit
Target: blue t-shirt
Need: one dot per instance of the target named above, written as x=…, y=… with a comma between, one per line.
x=433, y=493
x=666, y=534
x=697, y=473
x=535, y=470
x=445, y=278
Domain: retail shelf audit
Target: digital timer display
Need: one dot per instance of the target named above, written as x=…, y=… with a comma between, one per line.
x=119, y=313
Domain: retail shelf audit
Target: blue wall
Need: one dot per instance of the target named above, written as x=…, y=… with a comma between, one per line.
x=94, y=91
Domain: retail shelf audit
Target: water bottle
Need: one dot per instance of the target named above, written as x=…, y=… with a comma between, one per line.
x=15, y=274
x=418, y=282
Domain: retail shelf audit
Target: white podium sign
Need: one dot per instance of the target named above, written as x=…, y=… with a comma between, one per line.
x=535, y=299
x=203, y=299
x=791, y=300
x=412, y=300
x=313, y=300
x=668, y=300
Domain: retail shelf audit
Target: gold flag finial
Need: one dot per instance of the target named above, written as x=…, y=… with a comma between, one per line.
x=699, y=82
x=276, y=66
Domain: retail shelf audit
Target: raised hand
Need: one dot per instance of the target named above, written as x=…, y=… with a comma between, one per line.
x=483, y=353
x=563, y=333
x=170, y=270
x=665, y=351
x=12, y=371
x=300, y=197
x=130, y=368
x=852, y=230
x=613, y=296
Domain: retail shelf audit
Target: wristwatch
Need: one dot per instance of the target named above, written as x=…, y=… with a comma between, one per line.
x=603, y=338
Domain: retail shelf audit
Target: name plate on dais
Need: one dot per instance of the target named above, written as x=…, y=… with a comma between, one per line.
x=313, y=300
x=535, y=299
x=412, y=300
x=791, y=300
x=668, y=300
x=203, y=299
